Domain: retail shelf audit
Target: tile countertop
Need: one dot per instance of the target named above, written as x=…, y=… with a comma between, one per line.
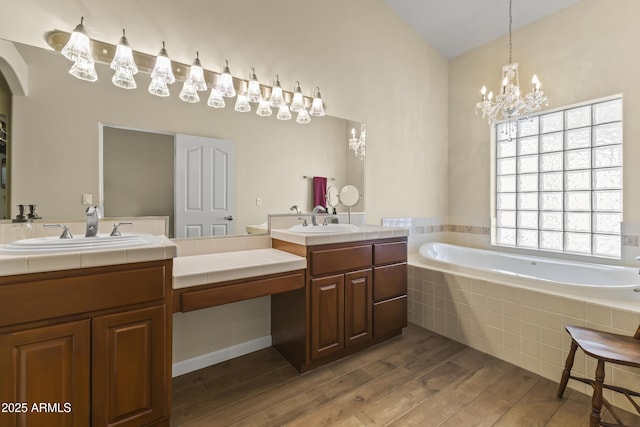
x=212, y=268
x=365, y=232
x=23, y=264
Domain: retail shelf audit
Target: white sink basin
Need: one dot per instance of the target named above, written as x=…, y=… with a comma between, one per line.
x=50, y=245
x=329, y=228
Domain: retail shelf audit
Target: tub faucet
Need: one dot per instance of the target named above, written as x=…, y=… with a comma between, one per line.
x=93, y=216
x=314, y=214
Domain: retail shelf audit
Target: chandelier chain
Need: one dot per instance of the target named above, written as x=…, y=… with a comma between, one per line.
x=510, y=22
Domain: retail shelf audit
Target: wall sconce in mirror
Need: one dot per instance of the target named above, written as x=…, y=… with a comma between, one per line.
x=84, y=52
x=358, y=145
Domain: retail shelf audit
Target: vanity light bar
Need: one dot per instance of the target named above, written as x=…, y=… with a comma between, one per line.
x=104, y=52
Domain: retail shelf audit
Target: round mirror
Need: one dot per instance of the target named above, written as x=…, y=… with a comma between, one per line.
x=349, y=195
x=332, y=196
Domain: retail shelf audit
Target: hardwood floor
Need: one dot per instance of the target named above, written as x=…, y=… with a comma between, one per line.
x=420, y=379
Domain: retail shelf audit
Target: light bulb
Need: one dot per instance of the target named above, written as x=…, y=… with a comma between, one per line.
x=264, y=109
x=78, y=48
x=162, y=70
x=242, y=103
x=303, y=117
x=298, y=100
x=490, y=96
x=253, y=92
x=124, y=65
x=483, y=91
x=226, y=83
x=276, y=99
x=215, y=98
x=283, y=112
x=317, y=106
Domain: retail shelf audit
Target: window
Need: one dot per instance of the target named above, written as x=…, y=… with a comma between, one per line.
x=559, y=180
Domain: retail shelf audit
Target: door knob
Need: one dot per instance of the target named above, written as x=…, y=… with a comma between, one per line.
x=229, y=218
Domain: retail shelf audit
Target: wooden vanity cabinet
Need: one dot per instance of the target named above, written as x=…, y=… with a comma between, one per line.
x=355, y=296
x=87, y=347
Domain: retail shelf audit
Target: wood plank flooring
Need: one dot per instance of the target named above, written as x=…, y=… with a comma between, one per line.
x=417, y=379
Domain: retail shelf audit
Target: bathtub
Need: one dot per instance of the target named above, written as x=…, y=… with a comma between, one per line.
x=580, y=280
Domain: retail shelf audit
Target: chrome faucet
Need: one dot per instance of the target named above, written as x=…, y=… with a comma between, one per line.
x=314, y=214
x=93, y=216
x=295, y=209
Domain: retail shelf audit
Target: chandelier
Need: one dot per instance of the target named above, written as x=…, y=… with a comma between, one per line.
x=126, y=62
x=358, y=145
x=509, y=104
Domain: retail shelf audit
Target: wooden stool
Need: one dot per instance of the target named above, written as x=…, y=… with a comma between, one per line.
x=604, y=347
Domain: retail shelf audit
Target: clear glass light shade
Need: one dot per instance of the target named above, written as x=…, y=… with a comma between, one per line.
x=242, y=103
x=317, y=106
x=276, y=99
x=253, y=92
x=84, y=70
x=196, y=76
x=123, y=58
x=78, y=48
x=124, y=79
x=297, y=103
x=215, y=98
x=189, y=93
x=158, y=88
x=264, y=109
x=303, y=117
x=225, y=84
x=162, y=70
x=283, y=112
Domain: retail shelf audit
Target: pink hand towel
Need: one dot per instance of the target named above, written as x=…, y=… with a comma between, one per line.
x=320, y=191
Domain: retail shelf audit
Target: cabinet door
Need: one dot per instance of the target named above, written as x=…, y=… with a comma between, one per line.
x=48, y=366
x=327, y=315
x=357, y=306
x=128, y=371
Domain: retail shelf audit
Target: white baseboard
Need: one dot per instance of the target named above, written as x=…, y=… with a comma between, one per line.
x=221, y=355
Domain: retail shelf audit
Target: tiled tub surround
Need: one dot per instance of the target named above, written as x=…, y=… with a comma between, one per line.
x=520, y=325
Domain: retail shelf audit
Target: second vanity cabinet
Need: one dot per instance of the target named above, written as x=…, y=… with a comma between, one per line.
x=355, y=296
x=87, y=347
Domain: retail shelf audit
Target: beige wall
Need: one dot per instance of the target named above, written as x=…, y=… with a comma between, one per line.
x=133, y=185
x=582, y=53
x=369, y=64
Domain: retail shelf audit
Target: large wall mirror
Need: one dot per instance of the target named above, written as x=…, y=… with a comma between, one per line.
x=272, y=157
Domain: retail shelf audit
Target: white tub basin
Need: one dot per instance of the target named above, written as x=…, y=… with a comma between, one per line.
x=329, y=228
x=50, y=245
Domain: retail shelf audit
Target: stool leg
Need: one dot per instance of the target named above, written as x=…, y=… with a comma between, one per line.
x=567, y=369
x=596, y=401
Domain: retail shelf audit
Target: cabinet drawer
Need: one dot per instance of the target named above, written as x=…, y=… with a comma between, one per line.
x=389, y=315
x=389, y=281
x=387, y=253
x=45, y=297
x=195, y=300
x=343, y=259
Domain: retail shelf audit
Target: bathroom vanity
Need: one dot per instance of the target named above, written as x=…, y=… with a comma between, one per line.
x=355, y=294
x=87, y=346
